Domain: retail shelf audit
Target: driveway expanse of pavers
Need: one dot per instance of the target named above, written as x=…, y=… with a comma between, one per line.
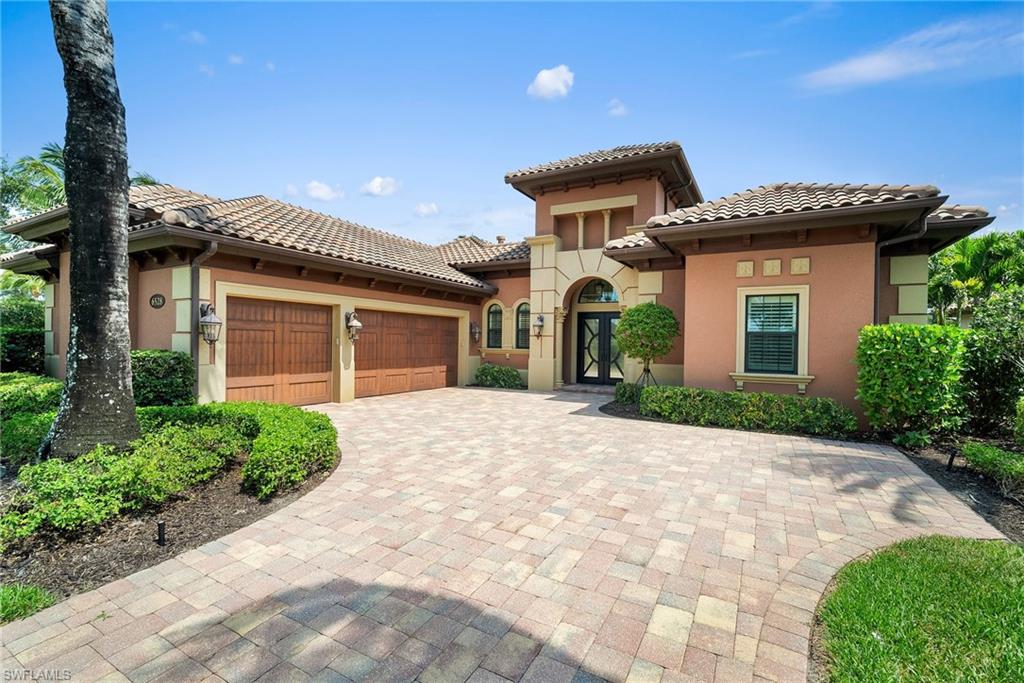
x=489, y=536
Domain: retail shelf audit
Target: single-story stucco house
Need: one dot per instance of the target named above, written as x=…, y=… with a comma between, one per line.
x=770, y=285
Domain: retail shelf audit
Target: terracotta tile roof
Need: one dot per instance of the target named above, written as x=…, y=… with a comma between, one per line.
x=471, y=249
x=782, y=198
x=597, y=157
x=951, y=212
x=637, y=239
x=162, y=197
x=270, y=221
x=20, y=254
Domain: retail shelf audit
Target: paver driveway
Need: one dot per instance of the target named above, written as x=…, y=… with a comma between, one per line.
x=486, y=535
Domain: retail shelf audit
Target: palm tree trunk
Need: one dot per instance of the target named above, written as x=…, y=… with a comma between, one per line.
x=97, y=405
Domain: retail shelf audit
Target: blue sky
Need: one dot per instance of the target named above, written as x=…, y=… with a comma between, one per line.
x=406, y=117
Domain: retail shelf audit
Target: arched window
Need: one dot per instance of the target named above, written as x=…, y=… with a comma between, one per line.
x=523, y=326
x=598, y=292
x=494, y=327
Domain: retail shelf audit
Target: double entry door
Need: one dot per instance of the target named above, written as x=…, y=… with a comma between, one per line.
x=598, y=359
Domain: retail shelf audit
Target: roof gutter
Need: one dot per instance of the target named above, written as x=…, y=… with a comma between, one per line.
x=211, y=249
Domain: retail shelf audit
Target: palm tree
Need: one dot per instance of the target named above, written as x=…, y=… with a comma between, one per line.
x=969, y=271
x=96, y=405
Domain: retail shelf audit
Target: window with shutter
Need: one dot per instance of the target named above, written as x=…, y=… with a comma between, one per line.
x=771, y=333
x=494, y=327
x=523, y=326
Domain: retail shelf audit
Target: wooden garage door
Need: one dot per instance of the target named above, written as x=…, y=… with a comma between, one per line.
x=398, y=352
x=278, y=352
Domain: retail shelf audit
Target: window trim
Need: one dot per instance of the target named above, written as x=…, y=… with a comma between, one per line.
x=795, y=334
x=516, y=326
x=801, y=379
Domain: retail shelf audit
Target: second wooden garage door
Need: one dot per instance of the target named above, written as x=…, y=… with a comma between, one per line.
x=398, y=352
x=278, y=352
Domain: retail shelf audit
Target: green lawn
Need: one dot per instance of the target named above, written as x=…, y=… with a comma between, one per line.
x=928, y=609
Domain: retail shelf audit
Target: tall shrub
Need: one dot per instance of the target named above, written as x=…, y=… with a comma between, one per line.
x=645, y=332
x=994, y=361
x=22, y=339
x=162, y=378
x=908, y=377
x=17, y=311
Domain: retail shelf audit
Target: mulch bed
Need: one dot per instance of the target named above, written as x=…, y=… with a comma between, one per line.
x=66, y=566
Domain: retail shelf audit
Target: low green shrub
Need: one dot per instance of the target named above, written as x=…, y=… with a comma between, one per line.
x=499, y=376
x=21, y=392
x=162, y=378
x=754, y=411
x=19, y=311
x=912, y=439
x=627, y=393
x=908, y=377
x=68, y=496
x=20, y=600
x=1018, y=428
x=1005, y=467
x=20, y=437
x=22, y=349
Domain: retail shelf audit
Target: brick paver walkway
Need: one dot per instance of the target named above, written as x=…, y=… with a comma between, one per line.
x=483, y=535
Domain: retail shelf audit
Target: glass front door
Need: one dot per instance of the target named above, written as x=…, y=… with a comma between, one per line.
x=598, y=359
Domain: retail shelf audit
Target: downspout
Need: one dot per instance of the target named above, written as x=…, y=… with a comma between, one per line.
x=888, y=243
x=211, y=249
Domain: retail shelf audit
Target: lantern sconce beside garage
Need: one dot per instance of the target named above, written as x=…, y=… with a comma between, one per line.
x=209, y=324
x=353, y=326
x=474, y=331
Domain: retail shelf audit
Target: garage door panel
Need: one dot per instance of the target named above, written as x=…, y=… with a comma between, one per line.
x=405, y=352
x=278, y=351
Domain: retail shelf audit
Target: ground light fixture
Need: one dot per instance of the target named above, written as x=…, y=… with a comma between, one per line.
x=538, y=325
x=353, y=326
x=209, y=324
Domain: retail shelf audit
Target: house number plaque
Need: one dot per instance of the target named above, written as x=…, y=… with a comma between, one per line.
x=157, y=301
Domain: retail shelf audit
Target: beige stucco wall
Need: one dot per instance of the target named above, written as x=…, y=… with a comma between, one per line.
x=841, y=301
x=908, y=275
x=155, y=327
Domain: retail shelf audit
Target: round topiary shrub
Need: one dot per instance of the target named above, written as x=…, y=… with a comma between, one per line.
x=645, y=332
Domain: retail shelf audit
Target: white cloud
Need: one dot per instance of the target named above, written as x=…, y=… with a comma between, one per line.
x=551, y=84
x=426, y=209
x=194, y=36
x=291, y=190
x=236, y=59
x=380, y=186
x=971, y=49
x=207, y=70
x=813, y=11
x=322, y=191
x=617, y=107
x=270, y=66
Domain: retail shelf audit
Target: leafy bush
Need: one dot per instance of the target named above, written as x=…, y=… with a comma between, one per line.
x=22, y=349
x=16, y=311
x=21, y=392
x=1018, y=429
x=753, y=411
x=908, y=377
x=646, y=331
x=912, y=439
x=162, y=378
x=994, y=361
x=500, y=376
x=71, y=495
x=20, y=437
x=1005, y=467
x=20, y=600
x=627, y=393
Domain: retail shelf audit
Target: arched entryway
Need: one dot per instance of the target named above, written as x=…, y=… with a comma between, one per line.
x=590, y=313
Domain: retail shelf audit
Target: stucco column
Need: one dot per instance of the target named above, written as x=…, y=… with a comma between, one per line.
x=579, y=229
x=560, y=314
x=607, y=225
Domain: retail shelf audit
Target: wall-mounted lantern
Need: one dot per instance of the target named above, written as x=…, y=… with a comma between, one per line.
x=538, y=325
x=209, y=324
x=474, y=331
x=353, y=326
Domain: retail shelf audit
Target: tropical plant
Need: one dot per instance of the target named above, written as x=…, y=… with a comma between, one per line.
x=967, y=272
x=645, y=332
x=994, y=361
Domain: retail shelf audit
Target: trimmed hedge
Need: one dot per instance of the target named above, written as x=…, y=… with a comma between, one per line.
x=21, y=392
x=753, y=411
x=1019, y=423
x=162, y=378
x=1005, y=467
x=627, y=393
x=908, y=377
x=499, y=376
x=22, y=349
x=20, y=437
